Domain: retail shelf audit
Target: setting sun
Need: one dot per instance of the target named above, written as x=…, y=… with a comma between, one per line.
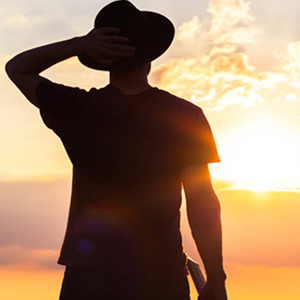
x=260, y=156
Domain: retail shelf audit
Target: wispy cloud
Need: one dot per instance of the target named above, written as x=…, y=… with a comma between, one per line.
x=214, y=64
x=15, y=20
x=230, y=22
x=216, y=69
x=16, y=255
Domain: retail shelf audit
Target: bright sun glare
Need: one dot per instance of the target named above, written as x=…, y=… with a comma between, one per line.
x=260, y=157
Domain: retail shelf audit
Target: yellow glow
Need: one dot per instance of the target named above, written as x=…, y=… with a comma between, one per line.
x=23, y=282
x=244, y=282
x=261, y=283
x=259, y=157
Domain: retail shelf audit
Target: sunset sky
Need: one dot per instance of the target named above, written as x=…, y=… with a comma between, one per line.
x=238, y=60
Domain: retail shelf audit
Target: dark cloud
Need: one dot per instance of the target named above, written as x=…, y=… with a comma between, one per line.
x=33, y=214
x=16, y=255
x=259, y=228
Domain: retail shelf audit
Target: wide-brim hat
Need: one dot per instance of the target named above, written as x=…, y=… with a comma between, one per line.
x=149, y=32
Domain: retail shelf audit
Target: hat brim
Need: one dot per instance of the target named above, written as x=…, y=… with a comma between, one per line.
x=161, y=36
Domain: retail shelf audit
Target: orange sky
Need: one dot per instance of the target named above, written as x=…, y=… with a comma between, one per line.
x=238, y=60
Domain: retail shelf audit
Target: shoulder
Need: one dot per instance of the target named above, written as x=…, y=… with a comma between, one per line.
x=179, y=104
x=178, y=101
x=60, y=101
x=50, y=94
x=49, y=87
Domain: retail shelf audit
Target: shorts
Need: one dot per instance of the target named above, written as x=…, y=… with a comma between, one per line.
x=94, y=284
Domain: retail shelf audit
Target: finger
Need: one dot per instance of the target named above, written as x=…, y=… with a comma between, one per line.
x=116, y=39
x=119, y=54
x=107, y=30
x=109, y=60
x=120, y=47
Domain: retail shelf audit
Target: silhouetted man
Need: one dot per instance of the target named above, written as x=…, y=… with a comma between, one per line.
x=132, y=147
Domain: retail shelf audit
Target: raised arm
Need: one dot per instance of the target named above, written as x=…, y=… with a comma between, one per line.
x=103, y=45
x=203, y=209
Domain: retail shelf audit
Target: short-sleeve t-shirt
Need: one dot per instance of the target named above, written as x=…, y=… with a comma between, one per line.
x=128, y=153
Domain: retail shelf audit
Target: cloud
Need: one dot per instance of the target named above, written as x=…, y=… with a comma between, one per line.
x=259, y=228
x=236, y=64
x=212, y=83
x=215, y=70
x=33, y=221
x=213, y=65
x=16, y=20
x=229, y=22
x=292, y=64
x=34, y=213
x=16, y=255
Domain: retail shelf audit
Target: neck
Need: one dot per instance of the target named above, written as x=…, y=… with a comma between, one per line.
x=131, y=81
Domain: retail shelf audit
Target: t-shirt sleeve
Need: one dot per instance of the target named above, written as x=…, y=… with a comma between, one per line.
x=199, y=144
x=59, y=104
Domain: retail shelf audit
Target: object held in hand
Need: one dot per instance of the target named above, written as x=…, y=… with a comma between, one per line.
x=196, y=274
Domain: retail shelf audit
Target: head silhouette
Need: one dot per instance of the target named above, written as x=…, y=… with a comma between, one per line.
x=149, y=32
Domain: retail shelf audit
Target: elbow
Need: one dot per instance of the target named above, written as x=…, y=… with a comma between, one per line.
x=10, y=69
x=13, y=69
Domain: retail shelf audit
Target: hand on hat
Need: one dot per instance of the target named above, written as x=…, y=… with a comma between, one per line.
x=105, y=46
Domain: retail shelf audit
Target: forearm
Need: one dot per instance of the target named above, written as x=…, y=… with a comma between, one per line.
x=205, y=223
x=102, y=45
x=34, y=61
